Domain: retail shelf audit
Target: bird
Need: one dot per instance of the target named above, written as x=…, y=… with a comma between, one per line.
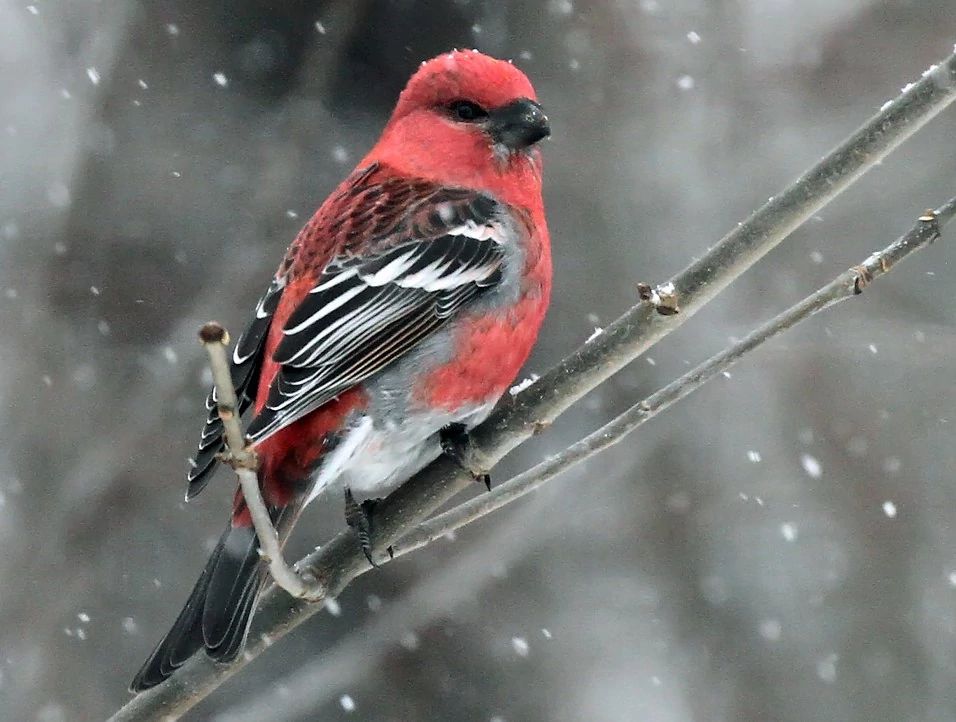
x=400, y=314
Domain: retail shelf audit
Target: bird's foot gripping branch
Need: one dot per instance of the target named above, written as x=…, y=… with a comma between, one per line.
x=405, y=518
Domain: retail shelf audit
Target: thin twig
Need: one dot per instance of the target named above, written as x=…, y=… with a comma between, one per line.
x=449, y=583
x=340, y=561
x=846, y=285
x=243, y=460
x=308, y=690
x=311, y=684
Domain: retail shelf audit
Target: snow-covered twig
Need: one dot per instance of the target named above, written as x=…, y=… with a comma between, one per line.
x=518, y=418
x=243, y=460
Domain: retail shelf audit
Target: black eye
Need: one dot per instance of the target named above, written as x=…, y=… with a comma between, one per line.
x=466, y=111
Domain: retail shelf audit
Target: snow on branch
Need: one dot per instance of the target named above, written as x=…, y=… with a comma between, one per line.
x=340, y=561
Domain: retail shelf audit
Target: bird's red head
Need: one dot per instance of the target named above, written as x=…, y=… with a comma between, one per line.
x=463, y=75
x=467, y=119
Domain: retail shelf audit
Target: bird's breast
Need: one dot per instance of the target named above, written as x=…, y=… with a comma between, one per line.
x=488, y=351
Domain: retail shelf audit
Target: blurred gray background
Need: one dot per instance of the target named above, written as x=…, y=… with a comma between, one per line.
x=781, y=546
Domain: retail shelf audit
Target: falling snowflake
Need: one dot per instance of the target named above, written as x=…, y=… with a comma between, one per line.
x=811, y=466
x=826, y=668
x=685, y=82
x=333, y=607
x=788, y=531
x=520, y=646
x=409, y=641
x=770, y=629
x=561, y=7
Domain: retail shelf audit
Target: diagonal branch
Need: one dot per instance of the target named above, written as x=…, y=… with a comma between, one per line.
x=627, y=338
x=302, y=687
x=847, y=285
x=244, y=462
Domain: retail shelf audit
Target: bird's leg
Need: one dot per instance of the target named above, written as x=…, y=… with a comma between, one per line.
x=457, y=446
x=359, y=517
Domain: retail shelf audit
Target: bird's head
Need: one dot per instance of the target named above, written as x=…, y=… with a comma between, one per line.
x=469, y=114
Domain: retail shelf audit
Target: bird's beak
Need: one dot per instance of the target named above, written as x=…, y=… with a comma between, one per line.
x=518, y=125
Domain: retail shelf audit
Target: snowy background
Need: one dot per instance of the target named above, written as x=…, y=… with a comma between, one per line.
x=781, y=546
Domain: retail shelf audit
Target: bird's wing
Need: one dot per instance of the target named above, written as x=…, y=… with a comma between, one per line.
x=249, y=354
x=246, y=363
x=382, y=294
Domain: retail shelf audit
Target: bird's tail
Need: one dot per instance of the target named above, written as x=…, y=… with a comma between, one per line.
x=217, y=614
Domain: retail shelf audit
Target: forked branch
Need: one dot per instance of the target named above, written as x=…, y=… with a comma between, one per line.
x=847, y=285
x=340, y=561
x=301, y=687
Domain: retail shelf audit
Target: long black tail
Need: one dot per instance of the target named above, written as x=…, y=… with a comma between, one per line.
x=216, y=616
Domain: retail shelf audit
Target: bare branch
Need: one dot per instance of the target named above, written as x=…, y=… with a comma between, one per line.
x=846, y=285
x=340, y=561
x=243, y=459
x=310, y=685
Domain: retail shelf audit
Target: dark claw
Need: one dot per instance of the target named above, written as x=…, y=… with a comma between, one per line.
x=453, y=438
x=454, y=443
x=359, y=517
x=391, y=552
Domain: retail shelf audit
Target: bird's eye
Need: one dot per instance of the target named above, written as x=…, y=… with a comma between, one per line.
x=466, y=111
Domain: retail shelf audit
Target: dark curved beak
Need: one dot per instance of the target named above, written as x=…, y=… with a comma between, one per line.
x=519, y=124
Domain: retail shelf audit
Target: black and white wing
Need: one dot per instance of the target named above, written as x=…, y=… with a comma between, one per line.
x=365, y=312
x=246, y=363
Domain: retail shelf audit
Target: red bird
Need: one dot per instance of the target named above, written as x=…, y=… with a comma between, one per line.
x=401, y=312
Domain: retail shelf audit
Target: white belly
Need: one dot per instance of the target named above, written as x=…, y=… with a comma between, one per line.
x=375, y=457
